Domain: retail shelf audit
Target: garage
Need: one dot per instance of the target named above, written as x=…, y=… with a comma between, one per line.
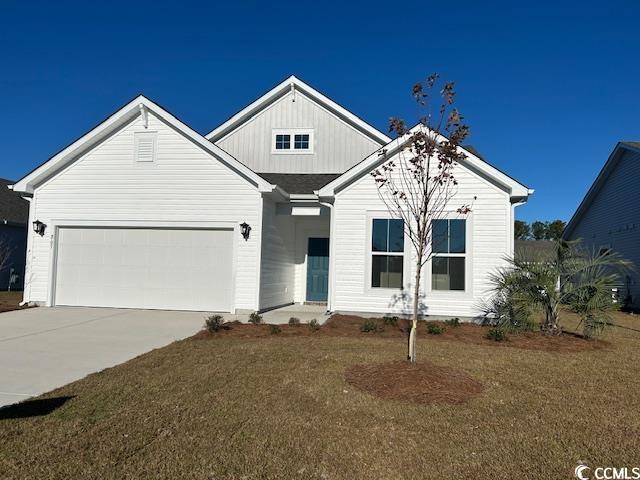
x=155, y=268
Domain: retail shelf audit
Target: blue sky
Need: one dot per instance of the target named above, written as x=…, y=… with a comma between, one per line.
x=548, y=88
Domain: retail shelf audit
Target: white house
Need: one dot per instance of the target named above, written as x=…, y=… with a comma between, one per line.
x=606, y=219
x=273, y=207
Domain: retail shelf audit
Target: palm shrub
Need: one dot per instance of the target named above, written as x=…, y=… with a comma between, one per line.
x=572, y=276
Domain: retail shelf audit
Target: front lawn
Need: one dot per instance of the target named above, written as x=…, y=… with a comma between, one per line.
x=279, y=407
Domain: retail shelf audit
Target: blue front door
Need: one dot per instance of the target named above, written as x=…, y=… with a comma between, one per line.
x=317, y=269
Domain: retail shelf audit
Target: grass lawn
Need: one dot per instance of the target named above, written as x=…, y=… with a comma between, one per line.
x=279, y=407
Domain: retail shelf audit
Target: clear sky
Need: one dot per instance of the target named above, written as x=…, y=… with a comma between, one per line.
x=547, y=88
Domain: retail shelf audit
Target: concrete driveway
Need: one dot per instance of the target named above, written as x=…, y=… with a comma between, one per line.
x=45, y=348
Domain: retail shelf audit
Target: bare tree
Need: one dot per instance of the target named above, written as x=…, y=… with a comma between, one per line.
x=417, y=182
x=5, y=254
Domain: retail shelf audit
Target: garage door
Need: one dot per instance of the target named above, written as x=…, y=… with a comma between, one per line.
x=175, y=269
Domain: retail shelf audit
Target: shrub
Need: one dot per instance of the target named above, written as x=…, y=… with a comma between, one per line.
x=370, y=325
x=255, y=318
x=213, y=323
x=390, y=321
x=453, y=322
x=275, y=329
x=294, y=322
x=314, y=325
x=435, y=329
x=496, y=334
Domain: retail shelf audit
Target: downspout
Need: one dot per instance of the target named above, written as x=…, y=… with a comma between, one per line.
x=26, y=293
x=331, y=253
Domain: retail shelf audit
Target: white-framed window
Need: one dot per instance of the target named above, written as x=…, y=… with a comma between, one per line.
x=292, y=140
x=145, y=146
x=387, y=253
x=448, y=263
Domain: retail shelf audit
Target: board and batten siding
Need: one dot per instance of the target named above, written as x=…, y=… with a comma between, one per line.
x=277, y=259
x=489, y=231
x=337, y=145
x=611, y=219
x=184, y=184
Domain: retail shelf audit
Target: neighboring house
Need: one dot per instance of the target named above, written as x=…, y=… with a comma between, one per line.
x=607, y=218
x=275, y=206
x=536, y=250
x=14, y=215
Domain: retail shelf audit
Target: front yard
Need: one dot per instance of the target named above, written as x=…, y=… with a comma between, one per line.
x=279, y=407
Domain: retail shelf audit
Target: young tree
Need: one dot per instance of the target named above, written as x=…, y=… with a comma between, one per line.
x=417, y=182
x=522, y=230
x=555, y=229
x=5, y=253
x=539, y=230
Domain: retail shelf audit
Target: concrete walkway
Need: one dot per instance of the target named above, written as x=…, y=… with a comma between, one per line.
x=45, y=348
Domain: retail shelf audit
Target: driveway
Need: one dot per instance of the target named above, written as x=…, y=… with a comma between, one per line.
x=45, y=348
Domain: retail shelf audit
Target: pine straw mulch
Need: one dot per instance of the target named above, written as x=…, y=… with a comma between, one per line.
x=10, y=301
x=423, y=382
x=350, y=326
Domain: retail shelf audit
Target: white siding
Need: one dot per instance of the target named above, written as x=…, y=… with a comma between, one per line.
x=184, y=184
x=488, y=241
x=612, y=219
x=277, y=270
x=338, y=146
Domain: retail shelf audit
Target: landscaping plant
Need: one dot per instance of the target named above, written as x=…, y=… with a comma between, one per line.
x=417, y=182
x=294, y=322
x=370, y=325
x=314, y=325
x=435, y=329
x=579, y=278
x=213, y=323
x=453, y=322
x=390, y=321
x=255, y=318
x=497, y=334
x=275, y=329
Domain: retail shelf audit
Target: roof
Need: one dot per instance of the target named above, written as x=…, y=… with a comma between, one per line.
x=535, y=249
x=292, y=84
x=140, y=105
x=612, y=161
x=13, y=208
x=299, y=183
x=472, y=161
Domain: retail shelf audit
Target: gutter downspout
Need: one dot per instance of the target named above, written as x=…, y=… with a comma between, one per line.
x=26, y=293
x=330, y=206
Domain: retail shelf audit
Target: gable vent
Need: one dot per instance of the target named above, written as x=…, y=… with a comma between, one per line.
x=146, y=146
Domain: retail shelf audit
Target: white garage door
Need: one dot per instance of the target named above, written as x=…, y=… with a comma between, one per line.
x=160, y=268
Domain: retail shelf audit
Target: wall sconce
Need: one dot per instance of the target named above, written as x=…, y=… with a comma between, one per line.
x=39, y=227
x=245, y=229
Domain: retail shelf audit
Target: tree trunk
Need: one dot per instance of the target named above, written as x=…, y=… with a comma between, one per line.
x=414, y=321
x=551, y=324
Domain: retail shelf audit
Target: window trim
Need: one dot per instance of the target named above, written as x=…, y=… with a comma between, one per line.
x=292, y=132
x=371, y=216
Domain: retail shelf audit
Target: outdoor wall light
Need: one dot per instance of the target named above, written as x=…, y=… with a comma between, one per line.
x=39, y=227
x=245, y=229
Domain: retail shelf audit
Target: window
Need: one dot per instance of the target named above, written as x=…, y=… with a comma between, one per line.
x=301, y=142
x=387, y=253
x=283, y=142
x=145, y=144
x=448, y=241
x=292, y=140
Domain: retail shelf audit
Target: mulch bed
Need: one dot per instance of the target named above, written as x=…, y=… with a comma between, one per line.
x=350, y=326
x=423, y=382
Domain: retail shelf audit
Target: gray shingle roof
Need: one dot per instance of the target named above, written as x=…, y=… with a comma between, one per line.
x=297, y=183
x=13, y=208
x=632, y=144
x=535, y=249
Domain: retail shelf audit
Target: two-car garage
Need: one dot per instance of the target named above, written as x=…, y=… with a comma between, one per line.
x=155, y=268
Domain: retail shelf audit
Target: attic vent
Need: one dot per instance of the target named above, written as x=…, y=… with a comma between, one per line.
x=146, y=146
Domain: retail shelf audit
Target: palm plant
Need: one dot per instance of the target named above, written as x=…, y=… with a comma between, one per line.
x=573, y=276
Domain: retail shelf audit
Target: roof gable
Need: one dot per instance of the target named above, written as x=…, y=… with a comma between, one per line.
x=136, y=107
x=473, y=162
x=290, y=86
x=620, y=149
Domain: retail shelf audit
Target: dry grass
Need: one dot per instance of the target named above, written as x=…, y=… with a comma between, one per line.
x=280, y=407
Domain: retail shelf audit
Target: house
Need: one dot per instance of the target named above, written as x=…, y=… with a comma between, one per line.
x=14, y=214
x=607, y=219
x=536, y=250
x=273, y=207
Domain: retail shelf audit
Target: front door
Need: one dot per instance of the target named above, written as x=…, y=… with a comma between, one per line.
x=317, y=269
